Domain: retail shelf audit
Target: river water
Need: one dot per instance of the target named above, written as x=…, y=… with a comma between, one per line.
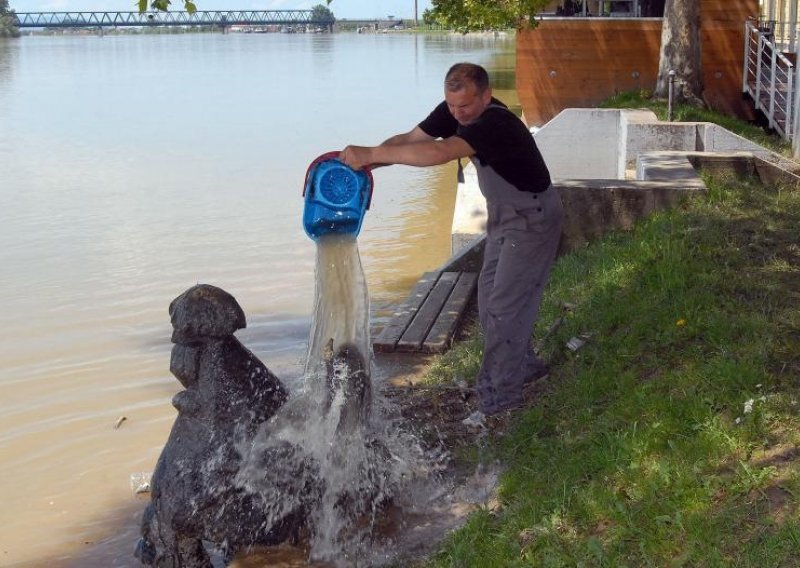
x=133, y=167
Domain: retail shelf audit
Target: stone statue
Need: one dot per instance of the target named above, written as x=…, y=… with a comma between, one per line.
x=228, y=476
x=229, y=394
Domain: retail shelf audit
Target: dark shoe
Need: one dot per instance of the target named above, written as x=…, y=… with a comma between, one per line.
x=539, y=375
x=504, y=408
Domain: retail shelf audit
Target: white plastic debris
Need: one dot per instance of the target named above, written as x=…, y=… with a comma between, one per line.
x=140, y=482
x=575, y=343
x=475, y=420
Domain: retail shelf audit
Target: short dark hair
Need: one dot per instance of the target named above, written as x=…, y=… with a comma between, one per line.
x=462, y=73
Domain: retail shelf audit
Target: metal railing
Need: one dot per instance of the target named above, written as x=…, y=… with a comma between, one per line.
x=768, y=78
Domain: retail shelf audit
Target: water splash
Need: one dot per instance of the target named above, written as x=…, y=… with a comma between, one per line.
x=327, y=455
x=341, y=302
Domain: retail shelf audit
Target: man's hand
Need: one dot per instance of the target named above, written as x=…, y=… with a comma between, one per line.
x=357, y=157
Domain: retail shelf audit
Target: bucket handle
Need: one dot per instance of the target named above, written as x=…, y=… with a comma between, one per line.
x=335, y=156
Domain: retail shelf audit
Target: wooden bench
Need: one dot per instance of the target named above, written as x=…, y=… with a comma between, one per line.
x=427, y=321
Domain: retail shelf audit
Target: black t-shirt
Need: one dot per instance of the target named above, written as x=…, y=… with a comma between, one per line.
x=500, y=140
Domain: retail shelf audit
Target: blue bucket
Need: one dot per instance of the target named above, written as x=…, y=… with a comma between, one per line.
x=336, y=197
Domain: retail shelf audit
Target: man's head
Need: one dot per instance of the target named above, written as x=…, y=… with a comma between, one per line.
x=467, y=91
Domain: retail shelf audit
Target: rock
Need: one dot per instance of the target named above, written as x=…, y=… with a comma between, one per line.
x=229, y=394
x=348, y=373
x=204, y=311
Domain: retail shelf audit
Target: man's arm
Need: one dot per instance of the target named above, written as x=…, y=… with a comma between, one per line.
x=416, y=152
x=414, y=135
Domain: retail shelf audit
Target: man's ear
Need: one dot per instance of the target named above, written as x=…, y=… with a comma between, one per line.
x=487, y=96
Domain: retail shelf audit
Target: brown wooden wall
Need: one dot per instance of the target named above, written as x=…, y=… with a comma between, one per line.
x=578, y=62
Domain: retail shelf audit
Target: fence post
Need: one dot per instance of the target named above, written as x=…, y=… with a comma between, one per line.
x=796, y=103
x=758, y=69
x=670, y=94
x=773, y=69
x=789, y=101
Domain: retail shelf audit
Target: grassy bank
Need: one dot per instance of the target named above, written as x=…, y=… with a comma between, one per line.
x=671, y=437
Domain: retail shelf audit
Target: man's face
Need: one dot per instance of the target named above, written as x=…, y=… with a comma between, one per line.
x=467, y=104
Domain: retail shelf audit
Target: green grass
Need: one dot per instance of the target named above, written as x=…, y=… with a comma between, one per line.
x=688, y=113
x=671, y=438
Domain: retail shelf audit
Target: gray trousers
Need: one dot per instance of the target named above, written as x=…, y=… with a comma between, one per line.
x=515, y=271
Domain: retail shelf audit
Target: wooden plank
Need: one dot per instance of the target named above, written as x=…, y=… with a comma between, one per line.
x=419, y=327
x=441, y=334
x=390, y=335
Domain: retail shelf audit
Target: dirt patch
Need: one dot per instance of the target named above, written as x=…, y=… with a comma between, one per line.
x=437, y=411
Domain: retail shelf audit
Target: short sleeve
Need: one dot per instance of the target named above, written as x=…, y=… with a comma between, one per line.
x=439, y=123
x=490, y=135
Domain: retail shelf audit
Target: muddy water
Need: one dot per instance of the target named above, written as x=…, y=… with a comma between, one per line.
x=134, y=167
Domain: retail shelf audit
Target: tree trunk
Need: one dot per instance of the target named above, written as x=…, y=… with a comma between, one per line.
x=680, y=52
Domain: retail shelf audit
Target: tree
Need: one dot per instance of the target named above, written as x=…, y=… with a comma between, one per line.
x=680, y=52
x=466, y=16
x=163, y=5
x=680, y=36
x=7, y=26
x=188, y=5
x=320, y=13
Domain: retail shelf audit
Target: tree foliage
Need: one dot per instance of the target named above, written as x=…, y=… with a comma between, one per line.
x=474, y=15
x=163, y=5
x=7, y=27
x=322, y=13
x=191, y=7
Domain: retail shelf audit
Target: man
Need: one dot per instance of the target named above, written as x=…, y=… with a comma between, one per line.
x=523, y=227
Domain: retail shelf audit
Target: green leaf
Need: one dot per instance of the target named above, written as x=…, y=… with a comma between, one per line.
x=142, y=5
x=190, y=6
x=162, y=5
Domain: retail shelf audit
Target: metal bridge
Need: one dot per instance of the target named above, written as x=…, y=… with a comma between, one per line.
x=198, y=18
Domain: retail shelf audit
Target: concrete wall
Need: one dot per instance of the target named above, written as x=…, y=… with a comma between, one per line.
x=605, y=143
x=589, y=152
x=581, y=143
x=469, y=216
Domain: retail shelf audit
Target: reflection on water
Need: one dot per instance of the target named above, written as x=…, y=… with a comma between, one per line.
x=134, y=167
x=8, y=50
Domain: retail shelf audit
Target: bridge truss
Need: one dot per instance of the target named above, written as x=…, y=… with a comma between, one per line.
x=198, y=18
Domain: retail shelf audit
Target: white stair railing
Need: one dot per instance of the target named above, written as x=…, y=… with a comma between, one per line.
x=768, y=78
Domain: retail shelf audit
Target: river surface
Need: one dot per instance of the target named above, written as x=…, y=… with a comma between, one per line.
x=135, y=166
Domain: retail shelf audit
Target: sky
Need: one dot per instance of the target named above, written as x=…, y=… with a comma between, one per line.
x=341, y=8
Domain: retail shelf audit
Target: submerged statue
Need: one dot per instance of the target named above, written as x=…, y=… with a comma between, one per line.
x=229, y=394
x=216, y=480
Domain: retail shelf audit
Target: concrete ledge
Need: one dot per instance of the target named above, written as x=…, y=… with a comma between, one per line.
x=468, y=258
x=469, y=216
x=578, y=143
x=581, y=143
x=592, y=208
x=775, y=173
x=668, y=166
x=738, y=163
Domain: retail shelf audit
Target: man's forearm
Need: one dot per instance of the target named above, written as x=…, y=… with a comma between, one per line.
x=418, y=150
x=396, y=139
x=429, y=153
